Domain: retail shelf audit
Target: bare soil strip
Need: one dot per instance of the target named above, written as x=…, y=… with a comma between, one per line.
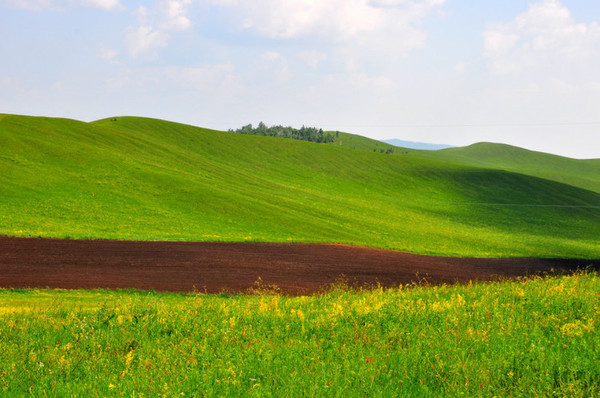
x=215, y=267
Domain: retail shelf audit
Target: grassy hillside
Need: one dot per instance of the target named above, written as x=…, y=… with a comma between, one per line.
x=354, y=141
x=580, y=173
x=137, y=178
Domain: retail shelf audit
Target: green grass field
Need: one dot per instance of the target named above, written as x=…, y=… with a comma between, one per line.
x=135, y=178
x=354, y=141
x=536, y=337
x=147, y=179
x=582, y=173
x=577, y=172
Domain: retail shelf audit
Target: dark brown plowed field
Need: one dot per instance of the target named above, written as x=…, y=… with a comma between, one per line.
x=235, y=267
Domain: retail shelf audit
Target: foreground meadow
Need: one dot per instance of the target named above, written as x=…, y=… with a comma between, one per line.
x=533, y=337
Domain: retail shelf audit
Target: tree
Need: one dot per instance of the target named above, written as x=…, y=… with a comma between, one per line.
x=304, y=133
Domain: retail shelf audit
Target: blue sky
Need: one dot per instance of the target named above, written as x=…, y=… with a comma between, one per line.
x=441, y=71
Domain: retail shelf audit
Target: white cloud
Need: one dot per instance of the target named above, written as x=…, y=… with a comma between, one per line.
x=108, y=55
x=155, y=25
x=311, y=58
x=333, y=20
x=542, y=66
x=103, y=4
x=144, y=38
x=276, y=66
x=142, y=14
x=499, y=41
x=362, y=81
x=175, y=14
x=545, y=33
x=42, y=4
x=356, y=29
x=26, y=4
x=402, y=3
x=18, y=94
x=460, y=67
x=202, y=78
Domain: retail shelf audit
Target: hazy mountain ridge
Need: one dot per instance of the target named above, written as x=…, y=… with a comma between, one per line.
x=416, y=145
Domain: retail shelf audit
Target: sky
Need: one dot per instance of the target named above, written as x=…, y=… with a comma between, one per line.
x=525, y=73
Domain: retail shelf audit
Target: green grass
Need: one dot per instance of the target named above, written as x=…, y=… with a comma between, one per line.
x=148, y=179
x=354, y=141
x=535, y=337
x=582, y=173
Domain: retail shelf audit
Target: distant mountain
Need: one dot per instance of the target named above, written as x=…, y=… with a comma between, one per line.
x=416, y=145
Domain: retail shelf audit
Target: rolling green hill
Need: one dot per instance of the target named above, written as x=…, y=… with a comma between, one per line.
x=354, y=141
x=580, y=173
x=136, y=178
